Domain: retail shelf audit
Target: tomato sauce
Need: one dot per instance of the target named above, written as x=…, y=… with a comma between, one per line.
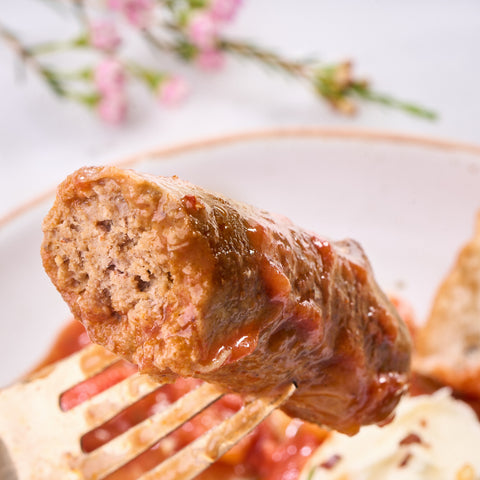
x=276, y=450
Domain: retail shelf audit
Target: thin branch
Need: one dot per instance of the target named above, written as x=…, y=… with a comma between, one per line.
x=182, y=48
x=157, y=42
x=23, y=53
x=53, y=47
x=52, y=78
x=30, y=60
x=267, y=57
x=334, y=83
x=389, y=101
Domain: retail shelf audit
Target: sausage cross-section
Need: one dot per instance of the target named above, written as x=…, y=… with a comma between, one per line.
x=185, y=282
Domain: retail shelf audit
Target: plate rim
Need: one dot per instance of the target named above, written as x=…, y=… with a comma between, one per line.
x=212, y=141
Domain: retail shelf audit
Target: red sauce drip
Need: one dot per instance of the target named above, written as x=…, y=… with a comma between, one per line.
x=243, y=346
x=277, y=285
x=331, y=462
x=409, y=439
x=405, y=460
x=191, y=202
x=324, y=249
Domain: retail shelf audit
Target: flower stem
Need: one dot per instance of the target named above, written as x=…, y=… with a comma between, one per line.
x=335, y=90
x=267, y=57
x=334, y=83
x=30, y=60
x=52, y=77
x=389, y=101
x=52, y=47
x=152, y=78
x=181, y=47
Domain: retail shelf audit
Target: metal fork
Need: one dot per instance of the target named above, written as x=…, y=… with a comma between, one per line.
x=40, y=441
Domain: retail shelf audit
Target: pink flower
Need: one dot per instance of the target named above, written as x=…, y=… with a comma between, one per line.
x=137, y=12
x=202, y=31
x=115, y=4
x=109, y=76
x=112, y=108
x=172, y=91
x=210, y=59
x=224, y=10
x=104, y=35
x=110, y=81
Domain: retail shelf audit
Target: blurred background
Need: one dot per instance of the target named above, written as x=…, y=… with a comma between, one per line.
x=424, y=52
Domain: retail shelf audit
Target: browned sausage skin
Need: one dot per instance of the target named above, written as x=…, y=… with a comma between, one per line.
x=184, y=282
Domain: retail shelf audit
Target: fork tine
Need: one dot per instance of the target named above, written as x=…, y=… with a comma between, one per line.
x=106, y=405
x=76, y=368
x=7, y=469
x=202, y=452
x=139, y=438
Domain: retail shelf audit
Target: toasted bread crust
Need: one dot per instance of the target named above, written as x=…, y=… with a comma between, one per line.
x=448, y=346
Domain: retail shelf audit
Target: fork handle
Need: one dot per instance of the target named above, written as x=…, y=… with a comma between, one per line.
x=7, y=470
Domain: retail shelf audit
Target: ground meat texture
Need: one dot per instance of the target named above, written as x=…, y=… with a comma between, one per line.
x=184, y=282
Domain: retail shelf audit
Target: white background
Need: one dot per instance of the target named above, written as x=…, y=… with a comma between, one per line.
x=425, y=51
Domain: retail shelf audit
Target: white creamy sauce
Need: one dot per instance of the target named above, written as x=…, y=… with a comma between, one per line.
x=433, y=437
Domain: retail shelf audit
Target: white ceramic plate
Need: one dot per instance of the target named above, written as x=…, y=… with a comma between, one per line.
x=410, y=202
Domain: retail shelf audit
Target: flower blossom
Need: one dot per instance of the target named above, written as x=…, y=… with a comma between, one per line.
x=172, y=91
x=109, y=76
x=212, y=59
x=115, y=4
x=104, y=35
x=224, y=10
x=112, y=108
x=137, y=12
x=203, y=31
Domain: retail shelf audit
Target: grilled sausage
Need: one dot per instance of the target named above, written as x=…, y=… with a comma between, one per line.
x=184, y=282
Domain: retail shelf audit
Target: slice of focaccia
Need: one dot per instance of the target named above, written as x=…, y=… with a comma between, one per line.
x=448, y=346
